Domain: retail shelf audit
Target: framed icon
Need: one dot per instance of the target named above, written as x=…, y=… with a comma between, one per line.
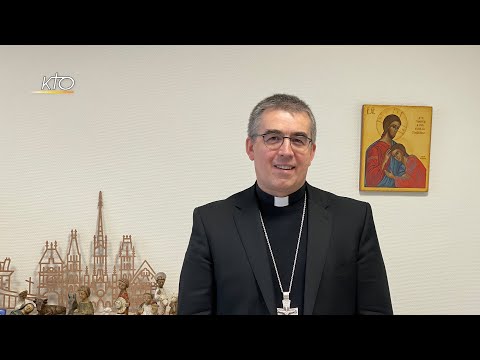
x=395, y=148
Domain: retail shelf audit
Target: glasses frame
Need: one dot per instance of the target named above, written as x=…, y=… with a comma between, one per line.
x=310, y=141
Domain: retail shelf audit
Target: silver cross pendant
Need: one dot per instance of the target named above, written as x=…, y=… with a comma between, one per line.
x=287, y=310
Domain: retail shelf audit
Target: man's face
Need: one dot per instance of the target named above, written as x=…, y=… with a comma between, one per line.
x=393, y=129
x=283, y=171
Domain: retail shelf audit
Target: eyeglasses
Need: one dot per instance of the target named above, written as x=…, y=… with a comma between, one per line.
x=274, y=141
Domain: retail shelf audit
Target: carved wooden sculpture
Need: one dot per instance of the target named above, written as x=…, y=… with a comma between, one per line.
x=44, y=309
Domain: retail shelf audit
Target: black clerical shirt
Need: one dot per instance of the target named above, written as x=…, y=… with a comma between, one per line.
x=283, y=225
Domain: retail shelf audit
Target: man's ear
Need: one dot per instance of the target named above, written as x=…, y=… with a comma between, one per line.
x=312, y=154
x=249, y=148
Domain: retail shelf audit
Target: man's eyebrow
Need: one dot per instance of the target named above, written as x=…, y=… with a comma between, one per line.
x=275, y=131
x=272, y=131
x=300, y=133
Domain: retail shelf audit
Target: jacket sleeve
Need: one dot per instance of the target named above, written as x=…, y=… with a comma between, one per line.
x=373, y=294
x=196, y=289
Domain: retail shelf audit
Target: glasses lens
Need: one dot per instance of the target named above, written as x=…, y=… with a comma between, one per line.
x=275, y=141
x=299, y=141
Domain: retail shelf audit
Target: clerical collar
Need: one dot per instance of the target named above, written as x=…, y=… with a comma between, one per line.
x=280, y=201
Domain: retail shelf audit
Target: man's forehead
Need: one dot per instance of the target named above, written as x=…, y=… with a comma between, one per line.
x=277, y=119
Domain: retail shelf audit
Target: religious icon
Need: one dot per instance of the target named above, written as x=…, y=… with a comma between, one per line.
x=395, y=150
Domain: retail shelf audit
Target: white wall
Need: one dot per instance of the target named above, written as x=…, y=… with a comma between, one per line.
x=161, y=129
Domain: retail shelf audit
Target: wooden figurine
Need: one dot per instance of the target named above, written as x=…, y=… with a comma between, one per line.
x=25, y=309
x=22, y=299
x=44, y=309
x=173, y=305
x=122, y=303
x=72, y=303
x=161, y=296
x=84, y=305
x=148, y=307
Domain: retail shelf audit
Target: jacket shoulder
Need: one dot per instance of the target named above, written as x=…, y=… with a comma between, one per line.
x=330, y=199
x=223, y=204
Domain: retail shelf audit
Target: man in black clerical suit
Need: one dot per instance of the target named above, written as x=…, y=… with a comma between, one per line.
x=283, y=246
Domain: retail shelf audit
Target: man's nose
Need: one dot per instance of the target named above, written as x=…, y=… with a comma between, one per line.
x=286, y=148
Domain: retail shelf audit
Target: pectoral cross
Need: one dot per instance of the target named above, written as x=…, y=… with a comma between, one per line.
x=286, y=310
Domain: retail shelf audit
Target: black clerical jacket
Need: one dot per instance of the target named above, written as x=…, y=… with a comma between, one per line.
x=226, y=267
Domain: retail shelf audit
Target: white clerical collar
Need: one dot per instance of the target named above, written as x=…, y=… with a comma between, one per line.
x=280, y=201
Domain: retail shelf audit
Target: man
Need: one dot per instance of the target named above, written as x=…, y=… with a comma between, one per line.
x=283, y=246
x=376, y=160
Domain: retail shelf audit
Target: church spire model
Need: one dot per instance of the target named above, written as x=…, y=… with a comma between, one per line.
x=73, y=271
x=100, y=256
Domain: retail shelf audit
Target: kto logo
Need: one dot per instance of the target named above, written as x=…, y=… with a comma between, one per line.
x=57, y=85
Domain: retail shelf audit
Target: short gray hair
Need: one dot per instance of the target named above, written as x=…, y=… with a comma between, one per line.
x=284, y=102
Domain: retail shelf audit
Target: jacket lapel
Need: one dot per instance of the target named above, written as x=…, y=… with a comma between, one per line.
x=247, y=220
x=319, y=234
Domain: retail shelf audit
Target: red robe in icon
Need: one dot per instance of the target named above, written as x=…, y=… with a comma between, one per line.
x=415, y=175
